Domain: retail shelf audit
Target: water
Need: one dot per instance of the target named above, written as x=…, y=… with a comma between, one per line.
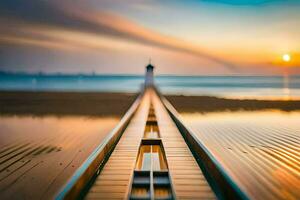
x=39, y=154
x=260, y=150
x=277, y=87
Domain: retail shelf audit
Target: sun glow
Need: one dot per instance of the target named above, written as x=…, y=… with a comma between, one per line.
x=286, y=57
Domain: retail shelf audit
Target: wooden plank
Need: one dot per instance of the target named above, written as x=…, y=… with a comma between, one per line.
x=114, y=179
x=187, y=178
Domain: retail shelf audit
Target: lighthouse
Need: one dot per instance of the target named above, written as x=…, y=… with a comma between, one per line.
x=149, y=75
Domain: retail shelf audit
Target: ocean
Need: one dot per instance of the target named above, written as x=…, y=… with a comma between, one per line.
x=254, y=87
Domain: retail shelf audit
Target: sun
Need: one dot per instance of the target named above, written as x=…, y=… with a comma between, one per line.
x=286, y=57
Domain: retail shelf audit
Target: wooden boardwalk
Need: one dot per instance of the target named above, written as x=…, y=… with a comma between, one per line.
x=114, y=180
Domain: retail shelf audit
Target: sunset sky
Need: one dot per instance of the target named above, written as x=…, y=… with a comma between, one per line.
x=195, y=37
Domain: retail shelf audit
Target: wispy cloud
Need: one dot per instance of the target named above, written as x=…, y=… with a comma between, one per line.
x=69, y=17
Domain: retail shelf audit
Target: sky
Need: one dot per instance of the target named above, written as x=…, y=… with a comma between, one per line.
x=190, y=37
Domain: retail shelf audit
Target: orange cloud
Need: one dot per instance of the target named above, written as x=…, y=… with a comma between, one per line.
x=87, y=25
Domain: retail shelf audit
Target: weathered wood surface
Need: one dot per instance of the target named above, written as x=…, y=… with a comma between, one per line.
x=113, y=181
x=187, y=177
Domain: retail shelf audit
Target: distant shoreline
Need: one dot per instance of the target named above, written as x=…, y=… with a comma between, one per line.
x=116, y=104
x=89, y=74
x=255, y=87
x=216, y=104
x=65, y=103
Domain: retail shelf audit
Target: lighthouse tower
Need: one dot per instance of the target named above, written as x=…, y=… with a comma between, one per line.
x=149, y=75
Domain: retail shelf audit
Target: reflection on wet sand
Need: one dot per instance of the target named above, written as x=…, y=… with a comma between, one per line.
x=39, y=154
x=260, y=150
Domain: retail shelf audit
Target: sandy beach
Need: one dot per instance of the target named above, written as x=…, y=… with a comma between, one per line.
x=38, y=155
x=216, y=104
x=65, y=103
x=45, y=137
x=259, y=149
x=116, y=104
x=60, y=129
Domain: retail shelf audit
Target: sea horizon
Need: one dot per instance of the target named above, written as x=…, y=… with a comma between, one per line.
x=225, y=86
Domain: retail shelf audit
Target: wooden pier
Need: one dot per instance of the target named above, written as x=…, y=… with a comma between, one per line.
x=115, y=178
x=151, y=155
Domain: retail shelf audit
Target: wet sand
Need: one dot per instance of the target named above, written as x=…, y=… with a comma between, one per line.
x=39, y=154
x=259, y=149
x=65, y=103
x=45, y=136
x=116, y=104
x=256, y=141
x=215, y=104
